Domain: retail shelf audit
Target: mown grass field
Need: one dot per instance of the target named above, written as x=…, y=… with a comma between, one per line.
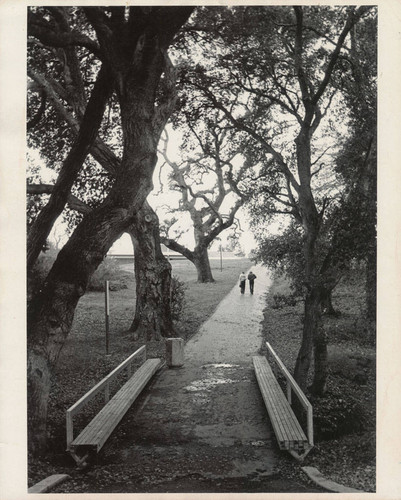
x=201, y=299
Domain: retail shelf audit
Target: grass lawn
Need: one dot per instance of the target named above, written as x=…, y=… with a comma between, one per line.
x=344, y=420
x=83, y=361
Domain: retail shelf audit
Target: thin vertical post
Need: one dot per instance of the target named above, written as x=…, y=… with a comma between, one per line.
x=289, y=392
x=221, y=259
x=70, y=429
x=310, y=425
x=107, y=313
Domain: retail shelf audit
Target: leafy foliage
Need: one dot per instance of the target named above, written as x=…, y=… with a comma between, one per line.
x=109, y=270
x=336, y=415
x=278, y=301
x=178, y=300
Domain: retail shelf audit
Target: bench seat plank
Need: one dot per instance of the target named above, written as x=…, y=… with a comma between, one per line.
x=99, y=429
x=285, y=424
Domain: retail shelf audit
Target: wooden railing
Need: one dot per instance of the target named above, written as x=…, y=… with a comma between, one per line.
x=293, y=386
x=104, y=385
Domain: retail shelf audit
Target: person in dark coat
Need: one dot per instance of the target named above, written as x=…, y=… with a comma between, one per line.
x=251, y=278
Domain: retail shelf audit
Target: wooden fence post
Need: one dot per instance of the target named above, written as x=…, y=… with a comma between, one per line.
x=107, y=313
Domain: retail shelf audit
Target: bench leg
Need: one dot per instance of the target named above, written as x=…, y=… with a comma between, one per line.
x=80, y=461
x=301, y=456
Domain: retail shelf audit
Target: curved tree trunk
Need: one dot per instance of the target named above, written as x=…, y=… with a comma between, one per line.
x=321, y=361
x=312, y=316
x=51, y=313
x=153, y=279
x=327, y=304
x=199, y=257
x=202, y=264
x=137, y=70
x=313, y=337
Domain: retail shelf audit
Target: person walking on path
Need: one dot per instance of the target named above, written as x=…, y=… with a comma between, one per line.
x=242, y=282
x=251, y=278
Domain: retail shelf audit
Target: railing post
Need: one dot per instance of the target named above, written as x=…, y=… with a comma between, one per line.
x=70, y=429
x=107, y=313
x=288, y=391
x=107, y=392
x=310, y=425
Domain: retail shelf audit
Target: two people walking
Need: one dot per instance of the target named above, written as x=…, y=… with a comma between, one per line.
x=242, y=281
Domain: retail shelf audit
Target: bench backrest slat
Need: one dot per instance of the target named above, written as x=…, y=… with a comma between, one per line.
x=98, y=387
x=297, y=390
x=295, y=387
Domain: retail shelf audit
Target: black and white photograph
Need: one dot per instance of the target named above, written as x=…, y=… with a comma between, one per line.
x=201, y=255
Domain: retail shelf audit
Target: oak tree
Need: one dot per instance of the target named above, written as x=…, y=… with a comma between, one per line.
x=131, y=44
x=273, y=72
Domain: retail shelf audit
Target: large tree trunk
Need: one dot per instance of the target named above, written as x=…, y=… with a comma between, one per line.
x=137, y=61
x=202, y=264
x=39, y=382
x=51, y=312
x=313, y=299
x=312, y=315
x=153, y=279
x=327, y=303
x=199, y=257
x=321, y=361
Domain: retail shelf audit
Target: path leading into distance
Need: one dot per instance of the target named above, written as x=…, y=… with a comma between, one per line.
x=201, y=428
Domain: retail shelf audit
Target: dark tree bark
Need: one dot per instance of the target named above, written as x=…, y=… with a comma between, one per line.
x=199, y=258
x=202, y=264
x=136, y=56
x=153, y=318
x=310, y=222
x=327, y=304
x=321, y=362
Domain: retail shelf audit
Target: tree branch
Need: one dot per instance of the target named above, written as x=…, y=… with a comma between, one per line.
x=36, y=119
x=176, y=247
x=352, y=19
x=41, y=29
x=74, y=202
x=303, y=83
x=241, y=126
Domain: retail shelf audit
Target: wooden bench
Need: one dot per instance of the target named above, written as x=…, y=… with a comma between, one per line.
x=289, y=433
x=96, y=433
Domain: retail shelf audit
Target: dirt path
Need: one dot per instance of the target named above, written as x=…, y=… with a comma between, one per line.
x=202, y=427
